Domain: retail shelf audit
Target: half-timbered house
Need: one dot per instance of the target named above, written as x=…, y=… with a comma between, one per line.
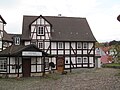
x=67, y=37
x=66, y=40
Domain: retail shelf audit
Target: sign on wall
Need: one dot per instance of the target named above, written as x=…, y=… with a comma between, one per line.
x=31, y=53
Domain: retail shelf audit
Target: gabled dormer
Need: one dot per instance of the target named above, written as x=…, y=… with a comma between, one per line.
x=40, y=28
x=36, y=30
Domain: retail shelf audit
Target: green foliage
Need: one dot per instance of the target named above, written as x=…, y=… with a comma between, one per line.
x=116, y=54
x=114, y=42
x=112, y=65
x=97, y=44
x=115, y=49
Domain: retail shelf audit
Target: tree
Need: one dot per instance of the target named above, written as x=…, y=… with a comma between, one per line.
x=116, y=53
x=114, y=42
x=97, y=44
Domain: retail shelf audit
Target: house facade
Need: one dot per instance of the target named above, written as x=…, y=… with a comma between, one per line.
x=67, y=39
x=2, y=24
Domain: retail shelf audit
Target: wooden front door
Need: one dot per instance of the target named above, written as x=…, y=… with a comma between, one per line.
x=26, y=67
x=60, y=64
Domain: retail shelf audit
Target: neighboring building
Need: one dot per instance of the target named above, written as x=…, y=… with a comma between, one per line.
x=50, y=39
x=105, y=54
x=5, y=38
x=2, y=24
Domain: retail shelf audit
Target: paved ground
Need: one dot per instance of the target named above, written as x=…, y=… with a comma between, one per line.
x=80, y=79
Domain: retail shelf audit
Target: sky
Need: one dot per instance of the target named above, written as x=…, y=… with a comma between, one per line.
x=100, y=14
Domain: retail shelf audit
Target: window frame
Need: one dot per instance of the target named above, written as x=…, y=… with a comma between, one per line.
x=60, y=45
x=3, y=64
x=85, y=45
x=46, y=63
x=66, y=61
x=79, y=58
x=40, y=30
x=40, y=45
x=79, y=45
x=85, y=60
x=17, y=41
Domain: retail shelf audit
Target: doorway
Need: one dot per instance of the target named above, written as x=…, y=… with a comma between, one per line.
x=26, y=67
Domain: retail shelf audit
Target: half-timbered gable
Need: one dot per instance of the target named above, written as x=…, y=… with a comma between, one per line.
x=39, y=32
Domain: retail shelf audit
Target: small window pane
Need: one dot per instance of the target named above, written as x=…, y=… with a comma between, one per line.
x=46, y=63
x=84, y=45
x=66, y=61
x=40, y=45
x=79, y=60
x=60, y=45
x=85, y=60
x=79, y=45
x=17, y=40
x=3, y=64
x=40, y=30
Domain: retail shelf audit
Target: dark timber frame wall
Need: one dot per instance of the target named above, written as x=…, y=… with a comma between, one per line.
x=87, y=55
x=14, y=68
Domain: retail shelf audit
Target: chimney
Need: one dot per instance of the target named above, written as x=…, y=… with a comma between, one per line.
x=59, y=15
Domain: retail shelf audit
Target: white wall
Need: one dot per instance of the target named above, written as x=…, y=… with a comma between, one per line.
x=1, y=25
x=53, y=45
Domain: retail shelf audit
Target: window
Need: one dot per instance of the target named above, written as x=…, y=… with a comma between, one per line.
x=85, y=45
x=85, y=60
x=79, y=60
x=33, y=43
x=66, y=61
x=40, y=45
x=79, y=45
x=40, y=30
x=17, y=40
x=46, y=63
x=3, y=64
x=60, y=45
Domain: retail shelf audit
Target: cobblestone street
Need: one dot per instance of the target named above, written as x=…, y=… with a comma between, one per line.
x=79, y=79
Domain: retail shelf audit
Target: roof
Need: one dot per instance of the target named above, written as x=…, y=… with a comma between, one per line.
x=3, y=20
x=106, y=59
x=6, y=36
x=65, y=28
x=15, y=50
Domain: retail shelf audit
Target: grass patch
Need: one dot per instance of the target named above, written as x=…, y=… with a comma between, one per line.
x=112, y=65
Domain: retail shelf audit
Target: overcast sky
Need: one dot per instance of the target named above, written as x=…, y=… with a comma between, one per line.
x=101, y=14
